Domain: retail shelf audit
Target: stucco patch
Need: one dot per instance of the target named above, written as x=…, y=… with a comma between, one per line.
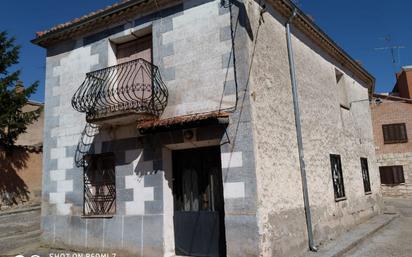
x=233, y=190
x=57, y=175
x=140, y=195
x=231, y=160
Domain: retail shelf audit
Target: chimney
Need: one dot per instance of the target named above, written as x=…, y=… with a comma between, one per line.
x=403, y=84
x=19, y=88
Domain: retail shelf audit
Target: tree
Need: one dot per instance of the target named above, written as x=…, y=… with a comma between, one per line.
x=13, y=121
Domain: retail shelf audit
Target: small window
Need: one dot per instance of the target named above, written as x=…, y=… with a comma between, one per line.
x=365, y=175
x=337, y=177
x=100, y=185
x=391, y=175
x=394, y=133
x=342, y=90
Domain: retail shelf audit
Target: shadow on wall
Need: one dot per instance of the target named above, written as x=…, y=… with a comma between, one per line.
x=85, y=144
x=13, y=189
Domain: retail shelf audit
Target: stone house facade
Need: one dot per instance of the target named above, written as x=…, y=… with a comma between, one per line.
x=170, y=130
x=392, y=127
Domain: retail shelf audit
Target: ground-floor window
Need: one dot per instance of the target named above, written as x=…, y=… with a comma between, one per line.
x=337, y=177
x=391, y=175
x=365, y=175
x=100, y=185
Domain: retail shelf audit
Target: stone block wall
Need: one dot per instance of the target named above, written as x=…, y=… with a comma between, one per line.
x=196, y=58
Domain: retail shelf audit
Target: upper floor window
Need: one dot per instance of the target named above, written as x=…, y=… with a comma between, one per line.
x=391, y=175
x=343, y=94
x=337, y=177
x=100, y=185
x=365, y=175
x=394, y=133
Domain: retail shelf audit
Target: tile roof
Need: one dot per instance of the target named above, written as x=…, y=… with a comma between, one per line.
x=80, y=19
x=181, y=120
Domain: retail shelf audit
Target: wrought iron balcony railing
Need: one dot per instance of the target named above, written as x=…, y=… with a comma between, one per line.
x=134, y=87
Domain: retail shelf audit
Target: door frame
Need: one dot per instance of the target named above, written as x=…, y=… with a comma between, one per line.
x=221, y=211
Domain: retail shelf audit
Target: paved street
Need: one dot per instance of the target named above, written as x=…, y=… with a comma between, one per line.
x=394, y=240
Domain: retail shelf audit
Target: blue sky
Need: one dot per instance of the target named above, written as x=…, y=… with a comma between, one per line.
x=358, y=26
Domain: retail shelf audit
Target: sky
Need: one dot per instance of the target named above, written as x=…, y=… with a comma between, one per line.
x=358, y=26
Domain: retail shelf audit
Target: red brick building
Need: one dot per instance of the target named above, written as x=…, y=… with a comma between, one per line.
x=392, y=125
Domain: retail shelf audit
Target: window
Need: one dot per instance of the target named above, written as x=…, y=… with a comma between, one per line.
x=394, y=133
x=337, y=177
x=365, y=175
x=99, y=185
x=391, y=175
x=342, y=90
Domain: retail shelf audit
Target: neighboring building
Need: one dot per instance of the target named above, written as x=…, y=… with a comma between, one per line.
x=188, y=144
x=21, y=172
x=392, y=125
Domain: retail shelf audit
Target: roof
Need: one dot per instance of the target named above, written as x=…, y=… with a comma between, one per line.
x=92, y=21
x=393, y=98
x=32, y=102
x=82, y=19
x=182, y=121
x=119, y=11
x=310, y=29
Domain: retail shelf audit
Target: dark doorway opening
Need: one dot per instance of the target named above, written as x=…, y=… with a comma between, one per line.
x=198, y=202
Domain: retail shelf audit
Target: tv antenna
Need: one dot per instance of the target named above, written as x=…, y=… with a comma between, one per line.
x=394, y=50
x=297, y=3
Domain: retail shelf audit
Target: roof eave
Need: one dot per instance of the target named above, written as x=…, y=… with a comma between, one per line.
x=286, y=8
x=41, y=39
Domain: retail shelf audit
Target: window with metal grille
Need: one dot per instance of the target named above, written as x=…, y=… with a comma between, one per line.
x=391, y=175
x=337, y=177
x=99, y=185
x=365, y=175
x=394, y=133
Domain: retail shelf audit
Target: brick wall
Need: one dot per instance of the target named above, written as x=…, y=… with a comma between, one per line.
x=394, y=154
x=391, y=112
x=20, y=177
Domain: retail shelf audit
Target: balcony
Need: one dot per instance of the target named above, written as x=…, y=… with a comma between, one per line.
x=125, y=93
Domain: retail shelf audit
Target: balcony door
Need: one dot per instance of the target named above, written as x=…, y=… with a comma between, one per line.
x=132, y=50
x=198, y=203
x=134, y=78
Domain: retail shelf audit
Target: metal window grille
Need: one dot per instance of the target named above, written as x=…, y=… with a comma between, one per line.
x=391, y=175
x=394, y=133
x=365, y=175
x=337, y=177
x=99, y=185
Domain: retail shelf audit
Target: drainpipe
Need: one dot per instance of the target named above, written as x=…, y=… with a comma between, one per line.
x=308, y=215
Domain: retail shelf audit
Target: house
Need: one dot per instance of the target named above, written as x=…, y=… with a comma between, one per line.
x=21, y=171
x=392, y=125
x=170, y=130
